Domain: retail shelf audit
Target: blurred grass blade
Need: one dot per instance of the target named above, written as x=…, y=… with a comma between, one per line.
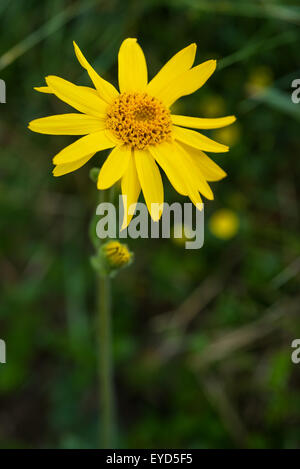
x=280, y=101
x=266, y=9
x=3, y=5
x=256, y=46
x=45, y=30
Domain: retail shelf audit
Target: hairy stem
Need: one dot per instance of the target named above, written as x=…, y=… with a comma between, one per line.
x=104, y=329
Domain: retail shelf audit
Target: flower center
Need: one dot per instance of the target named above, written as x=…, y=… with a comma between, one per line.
x=139, y=120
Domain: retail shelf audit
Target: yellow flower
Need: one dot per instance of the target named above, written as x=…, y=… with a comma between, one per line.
x=224, y=224
x=136, y=123
x=228, y=135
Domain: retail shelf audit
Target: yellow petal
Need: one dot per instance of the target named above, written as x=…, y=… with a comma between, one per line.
x=151, y=182
x=48, y=90
x=62, y=169
x=131, y=189
x=210, y=170
x=188, y=173
x=202, y=123
x=204, y=189
x=179, y=170
x=114, y=166
x=132, y=67
x=67, y=124
x=197, y=140
x=83, y=146
x=82, y=98
x=105, y=89
x=187, y=83
x=43, y=89
x=179, y=63
x=195, y=173
x=169, y=160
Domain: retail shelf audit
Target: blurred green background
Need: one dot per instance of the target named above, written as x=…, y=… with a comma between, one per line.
x=202, y=338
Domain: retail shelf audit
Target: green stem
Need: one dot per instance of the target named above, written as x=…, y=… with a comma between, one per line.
x=105, y=364
x=106, y=388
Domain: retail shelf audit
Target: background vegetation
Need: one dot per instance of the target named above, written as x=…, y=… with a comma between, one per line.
x=201, y=338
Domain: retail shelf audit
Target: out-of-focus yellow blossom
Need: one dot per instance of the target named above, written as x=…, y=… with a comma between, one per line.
x=181, y=234
x=224, y=224
x=213, y=106
x=259, y=79
x=228, y=135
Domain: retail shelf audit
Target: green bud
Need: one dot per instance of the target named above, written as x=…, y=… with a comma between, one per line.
x=94, y=172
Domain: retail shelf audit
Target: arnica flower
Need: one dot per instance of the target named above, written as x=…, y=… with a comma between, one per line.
x=136, y=123
x=224, y=224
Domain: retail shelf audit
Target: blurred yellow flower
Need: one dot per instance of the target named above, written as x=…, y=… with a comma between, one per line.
x=260, y=78
x=213, y=106
x=136, y=123
x=228, y=135
x=181, y=234
x=224, y=224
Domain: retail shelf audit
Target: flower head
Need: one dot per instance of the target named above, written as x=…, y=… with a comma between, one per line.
x=116, y=254
x=136, y=123
x=111, y=257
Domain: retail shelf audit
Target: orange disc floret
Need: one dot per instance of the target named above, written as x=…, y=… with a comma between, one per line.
x=139, y=120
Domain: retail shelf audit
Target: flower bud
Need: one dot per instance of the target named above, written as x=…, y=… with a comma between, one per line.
x=116, y=254
x=94, y=172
